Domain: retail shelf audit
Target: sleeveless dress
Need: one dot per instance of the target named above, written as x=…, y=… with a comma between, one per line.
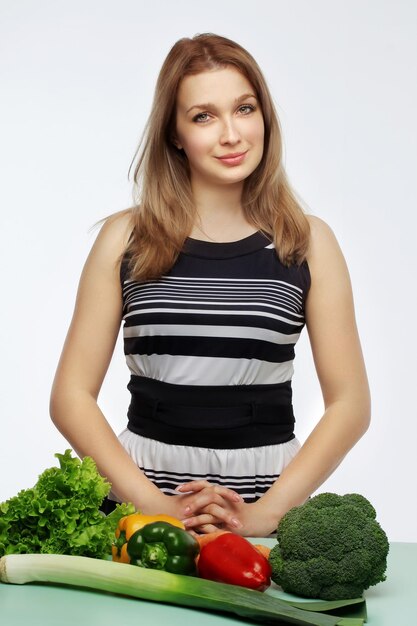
x=210, y=349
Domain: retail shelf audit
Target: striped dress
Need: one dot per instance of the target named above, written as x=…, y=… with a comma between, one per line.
x=210, y=349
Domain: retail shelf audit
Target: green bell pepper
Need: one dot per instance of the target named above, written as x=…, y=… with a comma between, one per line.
x=160, y=545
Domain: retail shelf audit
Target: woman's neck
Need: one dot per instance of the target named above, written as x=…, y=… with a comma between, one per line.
x=220, y=217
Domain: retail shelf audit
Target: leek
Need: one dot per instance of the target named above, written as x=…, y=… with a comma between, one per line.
x=157, y=586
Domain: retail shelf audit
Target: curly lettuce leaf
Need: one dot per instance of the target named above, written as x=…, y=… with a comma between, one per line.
x=60, y=514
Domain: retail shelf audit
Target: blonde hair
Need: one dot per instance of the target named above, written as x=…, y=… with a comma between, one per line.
x=164, y=210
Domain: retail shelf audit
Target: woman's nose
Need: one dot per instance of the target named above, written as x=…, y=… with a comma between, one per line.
x=230, y=133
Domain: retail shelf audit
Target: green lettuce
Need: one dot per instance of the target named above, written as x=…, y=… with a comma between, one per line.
x=61, y=514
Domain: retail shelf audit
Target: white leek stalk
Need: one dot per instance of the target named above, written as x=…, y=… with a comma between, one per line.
x=154, y=585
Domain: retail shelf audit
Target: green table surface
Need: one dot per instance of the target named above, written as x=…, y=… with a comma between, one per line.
x=390, y=603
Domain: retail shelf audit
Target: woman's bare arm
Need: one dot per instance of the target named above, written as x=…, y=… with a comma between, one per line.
x=341, y=371
x=84, y=361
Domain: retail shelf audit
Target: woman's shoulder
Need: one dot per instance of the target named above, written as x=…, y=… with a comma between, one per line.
x=324, y=254
x=115, y=232
x=111, y=242
x=319, y=228
x=118, y=226
x=322, y=238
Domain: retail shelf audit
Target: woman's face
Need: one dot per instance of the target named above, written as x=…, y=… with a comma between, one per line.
x=220, y=127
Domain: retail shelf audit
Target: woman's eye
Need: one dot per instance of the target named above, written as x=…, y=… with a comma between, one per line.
x=246, y=108
x=200, y=117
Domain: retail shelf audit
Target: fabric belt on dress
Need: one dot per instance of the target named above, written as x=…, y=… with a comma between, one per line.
x=239, y=416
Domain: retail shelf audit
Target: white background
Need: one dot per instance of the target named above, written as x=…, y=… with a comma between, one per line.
x=77, y=79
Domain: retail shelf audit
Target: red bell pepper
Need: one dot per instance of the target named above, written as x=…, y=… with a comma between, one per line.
x=233, y=559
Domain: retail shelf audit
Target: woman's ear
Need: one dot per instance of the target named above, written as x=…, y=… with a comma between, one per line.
x=176, y=143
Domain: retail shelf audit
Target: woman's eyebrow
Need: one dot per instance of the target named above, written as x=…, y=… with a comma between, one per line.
x=210, y=105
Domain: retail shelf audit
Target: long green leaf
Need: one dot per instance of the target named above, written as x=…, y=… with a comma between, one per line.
x=324, y=605
x=156, y=586
x=351, y=608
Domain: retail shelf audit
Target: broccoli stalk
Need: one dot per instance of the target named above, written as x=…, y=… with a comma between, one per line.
x=331, y=547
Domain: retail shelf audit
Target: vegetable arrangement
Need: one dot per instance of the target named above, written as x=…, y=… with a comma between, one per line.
x=60, y=514
x=331, y=547
x=161, y=542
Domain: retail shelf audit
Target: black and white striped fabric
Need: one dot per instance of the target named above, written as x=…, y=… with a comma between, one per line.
x=249, y=471
x=224, y=320
x=227, y=314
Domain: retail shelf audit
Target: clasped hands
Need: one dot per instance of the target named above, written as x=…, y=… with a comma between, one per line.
x=204, y=507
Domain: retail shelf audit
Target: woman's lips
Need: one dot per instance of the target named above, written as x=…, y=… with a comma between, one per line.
x=233, y=159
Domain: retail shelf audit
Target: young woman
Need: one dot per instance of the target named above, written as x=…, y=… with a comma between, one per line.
x=214, y=272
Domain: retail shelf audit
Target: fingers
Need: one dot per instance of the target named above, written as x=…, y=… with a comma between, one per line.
x=200, y=501
x=202, y=485
x=207, y=505
x=207, y=528
x=213, y=514
x=193, y=485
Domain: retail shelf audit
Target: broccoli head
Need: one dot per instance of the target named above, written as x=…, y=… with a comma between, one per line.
x=331, y=547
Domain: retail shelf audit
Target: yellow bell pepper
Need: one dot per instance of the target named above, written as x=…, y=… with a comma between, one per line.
x=129, y=525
